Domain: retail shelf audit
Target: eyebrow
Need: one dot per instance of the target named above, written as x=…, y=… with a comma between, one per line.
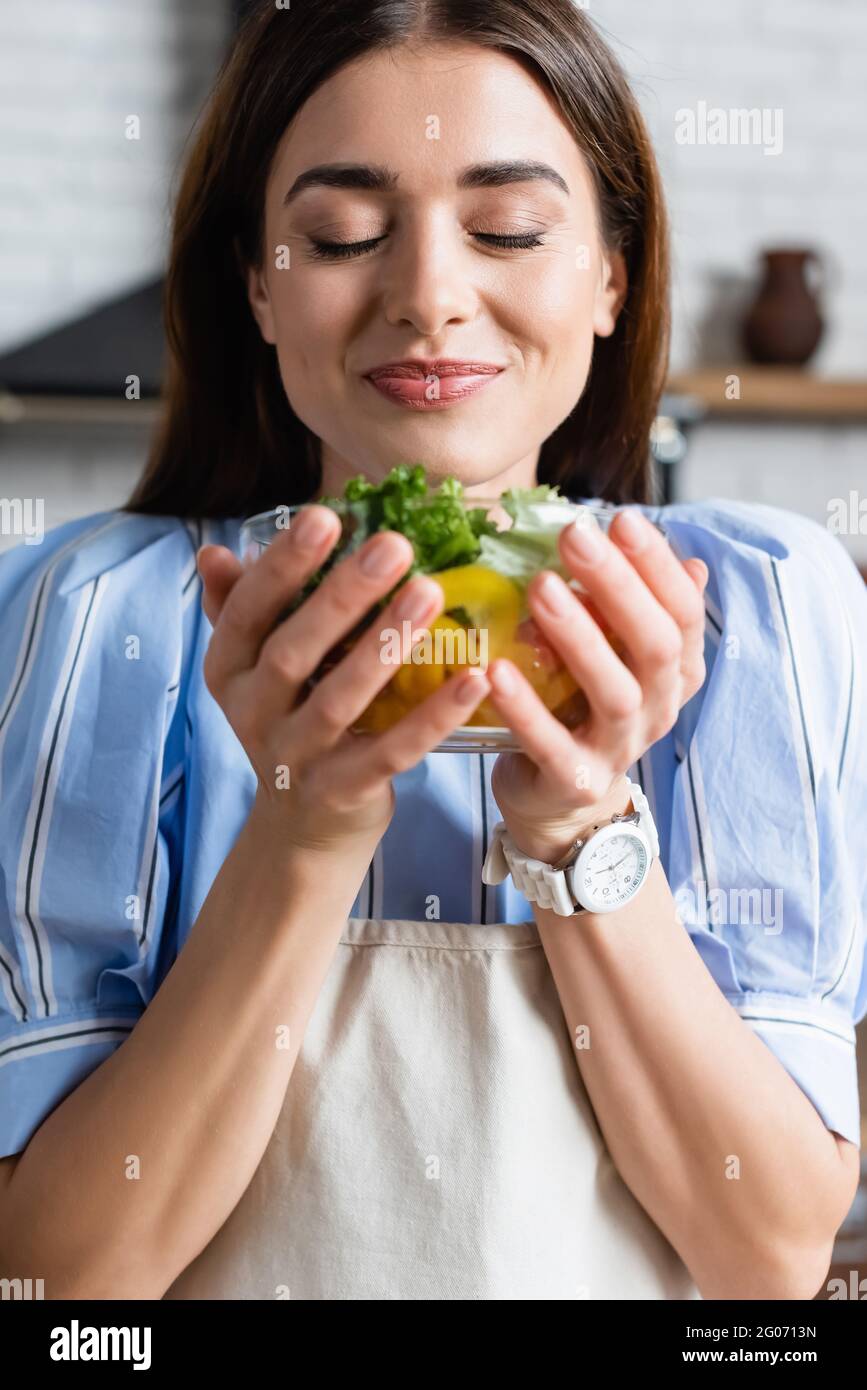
x=377, y=179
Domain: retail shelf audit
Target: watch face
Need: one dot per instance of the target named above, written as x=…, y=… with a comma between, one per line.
x=611, y=872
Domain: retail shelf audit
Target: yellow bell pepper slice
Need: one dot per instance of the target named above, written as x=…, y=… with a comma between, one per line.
x=492, y=600
x=415, y=680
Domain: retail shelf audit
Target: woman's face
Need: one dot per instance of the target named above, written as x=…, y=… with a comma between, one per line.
x=426, y=125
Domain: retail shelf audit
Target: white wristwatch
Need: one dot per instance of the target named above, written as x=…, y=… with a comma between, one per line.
x=600, y=873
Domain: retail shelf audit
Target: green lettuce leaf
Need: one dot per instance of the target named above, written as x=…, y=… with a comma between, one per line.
x=531, y=543
x=445, y=532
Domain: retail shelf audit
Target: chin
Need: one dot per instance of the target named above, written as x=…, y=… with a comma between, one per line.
x=438, y=463
x=470, y=474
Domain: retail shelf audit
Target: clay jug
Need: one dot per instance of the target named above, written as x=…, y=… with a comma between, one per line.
x=784, y=325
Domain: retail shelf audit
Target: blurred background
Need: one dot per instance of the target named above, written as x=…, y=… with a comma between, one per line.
x=758, y=109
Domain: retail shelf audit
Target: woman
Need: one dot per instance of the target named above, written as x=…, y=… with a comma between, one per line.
x=286, y=1041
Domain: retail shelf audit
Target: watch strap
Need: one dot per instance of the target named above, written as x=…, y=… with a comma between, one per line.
x=536, y=880
x=648, y=825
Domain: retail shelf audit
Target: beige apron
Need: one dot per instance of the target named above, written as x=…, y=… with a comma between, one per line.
x=437, y=1142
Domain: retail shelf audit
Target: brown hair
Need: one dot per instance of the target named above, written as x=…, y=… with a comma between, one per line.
x=229, y=442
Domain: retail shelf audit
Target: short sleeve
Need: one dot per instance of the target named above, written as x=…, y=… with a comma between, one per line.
x=91, y=764
x=767, y=858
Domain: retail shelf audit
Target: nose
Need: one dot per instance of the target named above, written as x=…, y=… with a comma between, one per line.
x=428, y=278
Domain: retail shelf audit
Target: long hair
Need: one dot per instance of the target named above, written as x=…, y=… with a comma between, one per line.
x=229, y=442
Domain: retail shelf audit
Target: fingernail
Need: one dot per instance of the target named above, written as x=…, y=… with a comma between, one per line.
x=585, y=541
x=553, y=594
x=471, y=687
x=380, y=558
x=414, y=603
x=504, y=680
x=311, y=526
x=631, y=529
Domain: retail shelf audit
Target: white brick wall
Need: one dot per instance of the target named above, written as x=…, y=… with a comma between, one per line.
x=728, y=201
x=84, y=213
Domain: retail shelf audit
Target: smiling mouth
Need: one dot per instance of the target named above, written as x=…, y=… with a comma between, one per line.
x=407, y=385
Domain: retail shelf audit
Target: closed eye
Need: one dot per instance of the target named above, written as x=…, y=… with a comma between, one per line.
x=343, y=250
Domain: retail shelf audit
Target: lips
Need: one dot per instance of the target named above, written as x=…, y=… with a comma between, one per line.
x=418, y=370
x=432, y=385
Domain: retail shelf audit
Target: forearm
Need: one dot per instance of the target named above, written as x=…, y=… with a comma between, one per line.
x=711, y=1134
x=195, y=1091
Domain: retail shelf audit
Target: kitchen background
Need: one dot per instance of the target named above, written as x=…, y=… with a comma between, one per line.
x=85, y=214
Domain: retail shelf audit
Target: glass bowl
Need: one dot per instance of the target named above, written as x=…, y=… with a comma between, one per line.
x=485, y=616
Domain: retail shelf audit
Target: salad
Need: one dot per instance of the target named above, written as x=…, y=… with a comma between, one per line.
x=483, y=569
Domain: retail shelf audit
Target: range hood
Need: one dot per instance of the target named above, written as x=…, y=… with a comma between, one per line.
x=93, y=354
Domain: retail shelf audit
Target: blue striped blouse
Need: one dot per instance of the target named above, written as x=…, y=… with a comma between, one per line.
x=122, y=789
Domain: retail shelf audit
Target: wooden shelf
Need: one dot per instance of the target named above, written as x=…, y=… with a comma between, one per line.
x=77, y=410
x=772, y=392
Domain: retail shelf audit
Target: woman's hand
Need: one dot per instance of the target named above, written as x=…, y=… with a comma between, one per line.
x=324, y=785
x=653, y=604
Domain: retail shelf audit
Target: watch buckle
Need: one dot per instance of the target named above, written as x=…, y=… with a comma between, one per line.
x=566, y=859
